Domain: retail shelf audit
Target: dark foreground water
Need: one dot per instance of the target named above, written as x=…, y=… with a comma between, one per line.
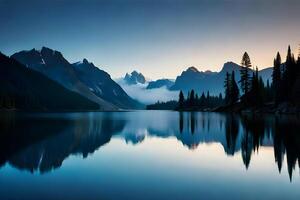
x=149, y=155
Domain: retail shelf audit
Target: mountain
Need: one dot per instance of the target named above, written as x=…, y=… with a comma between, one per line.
x=266, y=74
x=52, y=64
x=197, y=80
x=26, y=89
x=212, y=81
x=101, y=84
x=45, y=152
x=134, y=78
x=160, y=83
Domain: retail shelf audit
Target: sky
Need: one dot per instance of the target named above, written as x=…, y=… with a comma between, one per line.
x=158, y=38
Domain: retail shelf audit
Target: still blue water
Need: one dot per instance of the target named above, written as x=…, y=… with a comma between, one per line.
x=149, y=155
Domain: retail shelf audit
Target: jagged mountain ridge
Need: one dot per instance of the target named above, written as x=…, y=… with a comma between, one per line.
x=160, y=83
x=211, y=81
x=24, y=89
x=52, y=64
x=134, y=78
x=56, y=67
x=101, y=84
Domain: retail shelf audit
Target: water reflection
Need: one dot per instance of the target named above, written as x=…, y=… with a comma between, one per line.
x=38, y=143
x=42, y=142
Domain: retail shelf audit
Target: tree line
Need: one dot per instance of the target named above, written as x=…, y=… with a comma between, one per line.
x=286, y=78
x=195, y=102
x=192, y=102
x=285, y=86
x=250, y=90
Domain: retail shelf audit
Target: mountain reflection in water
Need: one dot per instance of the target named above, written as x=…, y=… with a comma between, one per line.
x=41, y=142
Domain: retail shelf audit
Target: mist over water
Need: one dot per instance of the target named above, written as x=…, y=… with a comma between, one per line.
x=149, y=96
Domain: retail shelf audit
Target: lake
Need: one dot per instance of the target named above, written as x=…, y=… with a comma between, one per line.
x=149, y=155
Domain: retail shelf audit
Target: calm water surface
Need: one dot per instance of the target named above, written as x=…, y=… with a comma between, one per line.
x=149, y=155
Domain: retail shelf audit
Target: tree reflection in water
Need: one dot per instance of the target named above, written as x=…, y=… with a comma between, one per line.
x=43, y=143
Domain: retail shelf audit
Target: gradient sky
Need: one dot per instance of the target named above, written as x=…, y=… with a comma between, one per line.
x=158, y=38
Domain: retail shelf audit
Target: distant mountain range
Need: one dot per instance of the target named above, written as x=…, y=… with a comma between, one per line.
x=146, y=91
x=212, y=81
x=25, y=89
x=82, y=77
x=95, y=85
x=200, y=81
x=134, y=78
x=160, y=83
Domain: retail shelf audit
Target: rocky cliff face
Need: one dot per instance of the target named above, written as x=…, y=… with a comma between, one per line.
x=134, y=78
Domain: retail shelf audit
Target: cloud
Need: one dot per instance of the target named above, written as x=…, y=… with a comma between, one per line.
x=148, y=96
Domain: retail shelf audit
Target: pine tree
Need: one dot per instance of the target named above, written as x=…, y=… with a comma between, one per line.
x=298, y=65
x=245, y=77
x=234, y=89
x=256, y=93
x=192, y=98
x=202, y=100
x=261, y=91
x=293, y=71
x=181, y=100
x=276, y=79
x=258, y=79
x=192, y=95
x=227, y=88
x=254, y=83
x=268, y=92
x=288, y=77
x=253, y=96
x=220, y=96
x=208, y=103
